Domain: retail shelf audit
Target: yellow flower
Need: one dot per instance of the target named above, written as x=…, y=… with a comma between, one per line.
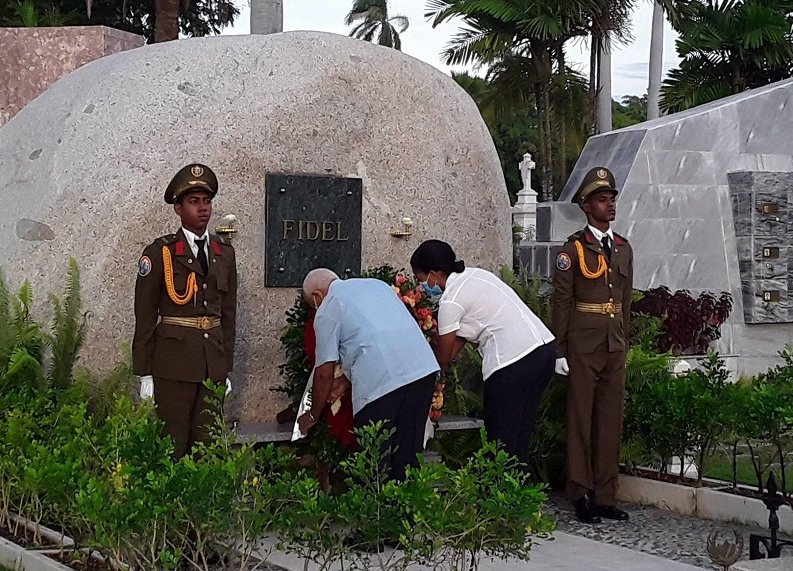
x=255, y=480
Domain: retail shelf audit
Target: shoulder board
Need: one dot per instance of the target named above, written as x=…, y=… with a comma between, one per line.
x=165, y=240
x=221, y=239
x=577, y=236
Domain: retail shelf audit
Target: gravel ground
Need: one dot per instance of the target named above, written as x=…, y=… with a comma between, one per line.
x=655, y=531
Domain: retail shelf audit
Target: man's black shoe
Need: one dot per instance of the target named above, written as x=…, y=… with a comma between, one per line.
x=585, y=511
x=611, y=512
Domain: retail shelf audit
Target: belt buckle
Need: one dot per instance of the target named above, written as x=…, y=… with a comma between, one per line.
x=204, y=323
x=609, y=308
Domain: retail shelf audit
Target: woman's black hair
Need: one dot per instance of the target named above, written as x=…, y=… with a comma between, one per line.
x=438, y=256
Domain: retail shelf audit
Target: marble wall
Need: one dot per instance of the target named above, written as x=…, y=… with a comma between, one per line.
x=32, y=59
x=676, y=206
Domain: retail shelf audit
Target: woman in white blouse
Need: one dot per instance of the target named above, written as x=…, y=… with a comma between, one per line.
x=517, y=349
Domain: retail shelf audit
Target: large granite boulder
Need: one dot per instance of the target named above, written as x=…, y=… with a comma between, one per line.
x=83, y=168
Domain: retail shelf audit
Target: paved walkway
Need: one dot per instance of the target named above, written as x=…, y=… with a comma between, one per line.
x=655, y=532
x=653, y=540
x=566, y=552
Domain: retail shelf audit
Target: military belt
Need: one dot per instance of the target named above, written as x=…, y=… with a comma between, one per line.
x=609, y=308
x=203, y=323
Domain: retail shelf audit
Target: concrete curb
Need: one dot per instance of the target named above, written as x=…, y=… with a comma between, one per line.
x=20, y=559
x=705, y=503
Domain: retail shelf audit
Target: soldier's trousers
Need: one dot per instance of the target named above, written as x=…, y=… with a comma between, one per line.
x=182, y=406
x=594, y=423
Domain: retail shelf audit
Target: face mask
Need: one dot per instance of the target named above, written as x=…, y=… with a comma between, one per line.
x=434, y=291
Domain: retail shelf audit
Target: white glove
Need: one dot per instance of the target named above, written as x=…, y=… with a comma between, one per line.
x=146, y=387
x=228, y=387
x=561, y=367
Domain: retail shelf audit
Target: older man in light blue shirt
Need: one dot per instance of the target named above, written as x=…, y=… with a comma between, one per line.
x=363, y=325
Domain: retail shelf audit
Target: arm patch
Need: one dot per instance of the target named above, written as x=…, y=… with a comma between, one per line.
x=563, y=261
x=144, y=266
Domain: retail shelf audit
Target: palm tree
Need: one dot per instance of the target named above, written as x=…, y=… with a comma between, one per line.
x=728, y=47
x=166, y=20
x=518, y=41
x=610, y=22
x=27, y=15
x=372, y=22
x=675, y=10
x=656, y=61
x=267, y=16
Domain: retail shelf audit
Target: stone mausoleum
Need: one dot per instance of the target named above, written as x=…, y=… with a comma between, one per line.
x=329, y=151
x=706, y=200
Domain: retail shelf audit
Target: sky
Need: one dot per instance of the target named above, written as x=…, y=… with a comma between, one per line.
x=420, y=40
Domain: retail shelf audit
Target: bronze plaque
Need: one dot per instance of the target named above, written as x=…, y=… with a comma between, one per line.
x=771, y=296
x=311, y=222
x=770, y=208
x=771, y=253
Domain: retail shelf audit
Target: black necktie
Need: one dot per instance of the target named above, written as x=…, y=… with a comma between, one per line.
x=202, y=256
x=606, y=247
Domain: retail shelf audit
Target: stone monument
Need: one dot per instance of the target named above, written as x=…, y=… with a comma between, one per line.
x=291, y=123
x=524, y=213
x=706, y=199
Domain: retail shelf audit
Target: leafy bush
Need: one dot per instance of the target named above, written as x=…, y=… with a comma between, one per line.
x=442, y=517
x=94, y=464
x=688, y=325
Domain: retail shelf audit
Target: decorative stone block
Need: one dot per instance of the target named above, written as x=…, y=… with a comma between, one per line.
x=32, y=59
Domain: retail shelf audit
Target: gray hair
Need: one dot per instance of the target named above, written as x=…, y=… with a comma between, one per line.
x=318, y=279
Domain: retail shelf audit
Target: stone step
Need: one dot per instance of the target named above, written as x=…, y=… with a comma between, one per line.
x=255, y=432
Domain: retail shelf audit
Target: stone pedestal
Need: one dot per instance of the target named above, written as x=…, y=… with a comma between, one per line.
x=32, y=59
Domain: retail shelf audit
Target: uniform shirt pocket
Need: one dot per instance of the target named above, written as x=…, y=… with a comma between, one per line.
x=223, y=283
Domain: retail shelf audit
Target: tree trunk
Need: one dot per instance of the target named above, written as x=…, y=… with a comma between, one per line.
x=604, y=87
x=546, y=172
x=562, y=117
x=547, y=187
x=593, y=80
x=267, y=16
x=656, y=59
x=166, y=20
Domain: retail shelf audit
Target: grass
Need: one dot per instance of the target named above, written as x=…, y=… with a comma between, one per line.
x=719, y=467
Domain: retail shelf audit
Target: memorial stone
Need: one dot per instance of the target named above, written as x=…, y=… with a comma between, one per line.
x=84, y=166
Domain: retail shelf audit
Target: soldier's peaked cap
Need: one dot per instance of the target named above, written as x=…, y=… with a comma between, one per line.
x=597, y=179
x=192, y=178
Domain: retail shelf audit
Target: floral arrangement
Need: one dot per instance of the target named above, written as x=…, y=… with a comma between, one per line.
x=420, y=306
x=425, y=312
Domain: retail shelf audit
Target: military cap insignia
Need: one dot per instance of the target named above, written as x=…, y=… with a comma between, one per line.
x=563, y=261
x=197, y=170
x=603, y=173
x=144, y=266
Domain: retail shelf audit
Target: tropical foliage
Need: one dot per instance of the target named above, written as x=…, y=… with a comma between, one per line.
x=729, y=47
x=94, y=465
x=195, y=18
x=373, y=23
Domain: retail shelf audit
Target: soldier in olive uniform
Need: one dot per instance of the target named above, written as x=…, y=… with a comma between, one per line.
x=593, y=283
x=185, y=311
